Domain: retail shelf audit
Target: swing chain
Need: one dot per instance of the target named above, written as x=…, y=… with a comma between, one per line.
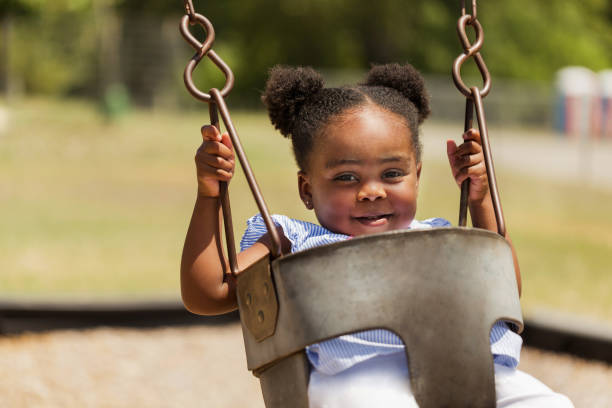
x=473, y=100
x=216, y=104
x=473, y=13
x=190, y=10
x=470, y=51
x=202, y=49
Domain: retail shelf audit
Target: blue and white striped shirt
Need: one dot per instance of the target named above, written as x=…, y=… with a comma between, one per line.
x=338, y=354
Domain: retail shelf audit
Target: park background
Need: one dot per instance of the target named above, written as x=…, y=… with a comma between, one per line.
x=97, y=135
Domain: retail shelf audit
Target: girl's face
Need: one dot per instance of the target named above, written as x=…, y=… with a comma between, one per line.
x=362, y=175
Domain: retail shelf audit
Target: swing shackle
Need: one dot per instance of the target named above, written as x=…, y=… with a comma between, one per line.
x=216, y=104
x=202, y=49
x=470, y=51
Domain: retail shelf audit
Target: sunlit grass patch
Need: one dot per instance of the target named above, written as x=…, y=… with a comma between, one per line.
x=97, y=209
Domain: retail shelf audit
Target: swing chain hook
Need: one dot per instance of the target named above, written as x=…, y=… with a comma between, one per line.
x=470, y=51
x=202, y=49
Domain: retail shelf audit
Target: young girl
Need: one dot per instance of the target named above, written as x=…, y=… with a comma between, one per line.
x=359, y=159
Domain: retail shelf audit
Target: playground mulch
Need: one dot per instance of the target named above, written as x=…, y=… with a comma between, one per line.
x=201, y=366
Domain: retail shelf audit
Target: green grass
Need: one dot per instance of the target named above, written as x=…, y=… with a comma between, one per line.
x=96, y=209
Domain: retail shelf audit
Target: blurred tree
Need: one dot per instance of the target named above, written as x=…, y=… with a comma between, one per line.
x=8, y=10
x=524, y=39
x=528, y=39
x=52, y=45
x=68, y=46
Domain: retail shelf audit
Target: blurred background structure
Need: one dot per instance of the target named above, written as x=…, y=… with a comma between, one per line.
x=97, y=137
x=114, y=50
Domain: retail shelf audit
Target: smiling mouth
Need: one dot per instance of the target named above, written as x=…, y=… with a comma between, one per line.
x=374, y=220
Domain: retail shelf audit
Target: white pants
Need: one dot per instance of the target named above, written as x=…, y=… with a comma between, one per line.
x=383, y=382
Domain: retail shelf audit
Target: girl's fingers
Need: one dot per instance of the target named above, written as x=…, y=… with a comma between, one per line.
x=468, y=160
x=227, y=141
x=472, y=134
x=218, y=162
x=468, y=147
x=475, y=172
x=217, y=149
x=210, y=133
x=451, y=148
x=210, y=172
x=465, y=160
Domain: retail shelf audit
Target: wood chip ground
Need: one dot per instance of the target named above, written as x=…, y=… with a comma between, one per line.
x=202, y=366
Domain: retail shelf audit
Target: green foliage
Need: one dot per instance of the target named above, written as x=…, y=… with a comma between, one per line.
x=54, y=53
x=524, y=39
x=15, y=7
x=529, y=39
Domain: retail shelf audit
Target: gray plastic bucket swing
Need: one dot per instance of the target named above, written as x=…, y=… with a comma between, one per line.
x=439, y=290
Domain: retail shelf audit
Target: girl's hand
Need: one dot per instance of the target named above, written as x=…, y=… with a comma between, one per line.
x=214, y=161
x=467, y=161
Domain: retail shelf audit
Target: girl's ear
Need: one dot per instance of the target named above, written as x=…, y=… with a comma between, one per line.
x=418, y=171
x=305, y=189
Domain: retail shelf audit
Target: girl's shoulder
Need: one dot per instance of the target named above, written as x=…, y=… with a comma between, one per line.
x=301, y=234
x=289, y=225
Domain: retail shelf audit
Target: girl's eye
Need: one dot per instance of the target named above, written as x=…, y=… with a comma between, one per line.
x=392, y=174
x=345, y=177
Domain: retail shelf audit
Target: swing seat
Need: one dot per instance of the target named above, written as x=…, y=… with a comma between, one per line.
x=439, y=290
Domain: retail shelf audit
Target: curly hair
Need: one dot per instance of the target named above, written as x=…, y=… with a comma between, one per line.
x=300, y=106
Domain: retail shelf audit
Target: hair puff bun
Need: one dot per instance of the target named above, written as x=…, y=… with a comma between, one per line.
x=405, y=79
x=287, y=90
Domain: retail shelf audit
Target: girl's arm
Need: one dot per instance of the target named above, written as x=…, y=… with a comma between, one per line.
x=206, y=285
x=467, y=161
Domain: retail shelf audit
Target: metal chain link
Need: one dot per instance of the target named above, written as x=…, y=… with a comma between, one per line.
x=470, y=51
x=216, y=102
x=474, y=97
x=473, y=13
x=202, y=49
x=190, y=10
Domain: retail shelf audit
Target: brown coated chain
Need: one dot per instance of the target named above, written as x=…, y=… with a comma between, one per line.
x=474, y=97
x=464, y=11
x=190, y=10
x=202, y=49
x=216, y=102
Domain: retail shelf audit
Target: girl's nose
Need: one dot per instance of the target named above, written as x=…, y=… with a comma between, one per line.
x=371, y=192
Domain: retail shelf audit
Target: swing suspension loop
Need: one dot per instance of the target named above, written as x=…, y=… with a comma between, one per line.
x=216, y=102
x=202, y=50
x=473, y=99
